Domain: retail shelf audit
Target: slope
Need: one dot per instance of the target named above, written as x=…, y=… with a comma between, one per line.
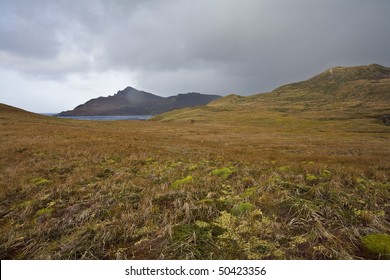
x=338, y=93
x=8, y=112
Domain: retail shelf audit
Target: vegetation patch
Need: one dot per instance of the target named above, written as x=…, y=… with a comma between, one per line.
x=39, y=181
x=311, y=178
x=377, y=245
x=105, y=173
x=225, y=203
x=181, y=182
x=44, y=211
x=192, y=167
x=167, y=198
x=42, y=214
x=25, y=204
x=134, y=198
x=249, y=192
x=326, y=173
x=225, y=172
x=284, y=168
x=242, y=208
x=195, y=241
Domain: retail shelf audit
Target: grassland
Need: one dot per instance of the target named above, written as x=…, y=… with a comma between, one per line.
x=271, y=188
x=299, y=173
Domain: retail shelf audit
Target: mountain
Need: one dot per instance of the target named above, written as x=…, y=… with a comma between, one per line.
x=131, y=101
x=337, y=93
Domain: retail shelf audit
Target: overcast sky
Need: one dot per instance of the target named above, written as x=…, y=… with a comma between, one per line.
x=55, y=55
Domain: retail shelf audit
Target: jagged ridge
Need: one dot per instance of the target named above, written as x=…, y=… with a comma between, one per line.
x=131, y=101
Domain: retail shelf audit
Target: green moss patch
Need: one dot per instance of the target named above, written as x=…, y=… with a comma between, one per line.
x=311, y=178
x=192, y=167
x=284, y=168
x=39, y=181
x=326, y=173
x=44, y=212
x=225, y=172
x=377, y=245
x=181, y=182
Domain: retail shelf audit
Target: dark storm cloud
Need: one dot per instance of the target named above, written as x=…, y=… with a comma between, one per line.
x=219, y=46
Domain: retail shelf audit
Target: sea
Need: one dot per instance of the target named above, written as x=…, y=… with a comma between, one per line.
x=102, y=118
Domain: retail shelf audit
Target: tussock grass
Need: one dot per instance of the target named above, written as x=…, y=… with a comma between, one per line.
x=280, y=189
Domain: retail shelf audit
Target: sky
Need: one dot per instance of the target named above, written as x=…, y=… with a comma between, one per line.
x=55, y=55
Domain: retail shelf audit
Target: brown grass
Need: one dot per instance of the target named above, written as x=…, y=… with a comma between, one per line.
x=102, y=190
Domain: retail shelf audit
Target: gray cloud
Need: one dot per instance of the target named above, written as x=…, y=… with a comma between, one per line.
x=219, y=46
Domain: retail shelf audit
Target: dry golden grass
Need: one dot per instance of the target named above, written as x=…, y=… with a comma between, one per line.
x=265, y=186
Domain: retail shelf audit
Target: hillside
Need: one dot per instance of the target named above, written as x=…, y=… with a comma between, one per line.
x=7, y=110
x=131, y=101
x=340, y=92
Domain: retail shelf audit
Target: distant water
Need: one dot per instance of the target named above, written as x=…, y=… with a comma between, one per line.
x=102, y=118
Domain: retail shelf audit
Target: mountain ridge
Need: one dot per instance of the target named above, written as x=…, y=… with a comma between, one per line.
x=131, y=101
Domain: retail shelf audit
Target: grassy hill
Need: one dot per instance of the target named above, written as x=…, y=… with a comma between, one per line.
x=260, y=177
x=340, y=92
x=11, y=112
